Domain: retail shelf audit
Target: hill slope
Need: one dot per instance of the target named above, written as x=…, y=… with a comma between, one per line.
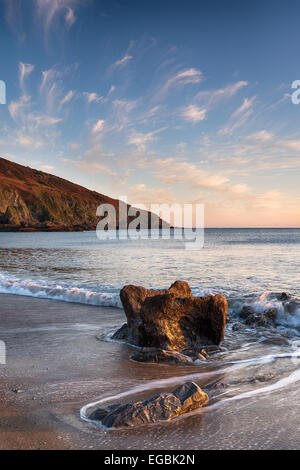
x=31, y=200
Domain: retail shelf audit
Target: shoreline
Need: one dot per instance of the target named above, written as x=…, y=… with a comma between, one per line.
x=56, y=365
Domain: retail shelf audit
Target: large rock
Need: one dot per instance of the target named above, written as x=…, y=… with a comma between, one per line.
x=160, y=407
x=133, y=297
x=172, y=319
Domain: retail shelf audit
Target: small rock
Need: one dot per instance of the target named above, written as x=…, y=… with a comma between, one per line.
x=292, y=306
x=246, y=311
x=237, y=327
x=217, y=386
x=160, y=407
x=262, y=378
x=284, y=296
x=161, y=356
x=204, y=353
x=200, y=357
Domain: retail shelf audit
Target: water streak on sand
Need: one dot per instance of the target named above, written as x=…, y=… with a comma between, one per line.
x=236, y=365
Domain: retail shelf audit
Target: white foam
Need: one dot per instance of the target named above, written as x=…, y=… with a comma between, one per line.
x=156, y=384
x=265, y=302
x=46, y=290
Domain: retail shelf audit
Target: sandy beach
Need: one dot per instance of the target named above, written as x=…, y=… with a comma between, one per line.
x=56, y=364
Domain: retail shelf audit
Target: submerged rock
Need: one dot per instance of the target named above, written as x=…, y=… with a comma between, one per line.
x=246, y=311
x=292, y=306
x=237, y=326
x=275, y=341
x=158, y=356
x=284, y=296
x=160, y=407
x=252, y=318
x=172, y=319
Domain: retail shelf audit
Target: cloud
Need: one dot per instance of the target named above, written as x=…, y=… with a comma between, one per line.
x=98, y=126
x=264, y=139
x=96, y=153
x=247, y=104
x=92, y=97
x=49, y=76
x=111, y=90
x=239, y=117
x=140, y=194
x=23, y=139
x=91, y=167
x=213, y=96
x=49, y=11
x=51, y=88
x=122, y=109
x=16, y=108
x=122, y=62
x=42, y=120
x=174, y=170
x=24, y=70
x=70, y=18
x=124, y=105
x=141, y=140
x=47, y=167
x=67, y=98
x=193, y=113
x=262, y=136
x=292, y=145
x=180, y=79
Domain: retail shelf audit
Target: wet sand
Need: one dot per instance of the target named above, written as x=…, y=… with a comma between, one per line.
x=56, y=364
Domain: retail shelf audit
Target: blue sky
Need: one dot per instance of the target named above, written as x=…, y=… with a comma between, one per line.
x=160, y=101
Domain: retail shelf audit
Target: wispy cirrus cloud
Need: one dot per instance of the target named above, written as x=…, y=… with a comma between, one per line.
x=260, y=136
x=212, y=97
x=247, y=104
x=98, y=126
x=70, y=17
x=193, y=113
x=17, y=108
x=122, y=62
x=175, y=170
x=239, y=117
x=181, y=79
x=67, y=98
x=140, y=140
x=92, y=97
x=51, y=87
x=122, y=108
x=50, y=10
x=24, y=71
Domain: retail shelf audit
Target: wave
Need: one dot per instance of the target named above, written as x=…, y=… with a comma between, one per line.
x=50, y=290
x=10, y=284
x=288, y=312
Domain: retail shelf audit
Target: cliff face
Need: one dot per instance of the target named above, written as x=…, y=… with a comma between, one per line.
x=33, y=200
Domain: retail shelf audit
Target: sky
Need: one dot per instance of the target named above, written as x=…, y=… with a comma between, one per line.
x=161, y=102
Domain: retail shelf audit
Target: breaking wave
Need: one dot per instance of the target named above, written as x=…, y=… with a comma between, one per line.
x=50, y=290
x=288, y=311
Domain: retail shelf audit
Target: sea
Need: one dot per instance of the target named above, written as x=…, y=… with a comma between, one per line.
x=248, y=266
x=253, y=381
